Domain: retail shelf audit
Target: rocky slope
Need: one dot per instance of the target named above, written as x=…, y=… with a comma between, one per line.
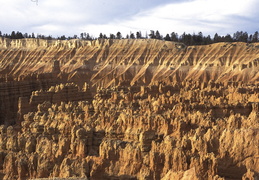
x=128, y=109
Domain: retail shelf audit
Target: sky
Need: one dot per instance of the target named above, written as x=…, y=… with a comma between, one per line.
x=72, y=17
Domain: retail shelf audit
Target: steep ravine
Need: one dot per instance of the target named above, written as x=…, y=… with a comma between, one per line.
x=128, y=109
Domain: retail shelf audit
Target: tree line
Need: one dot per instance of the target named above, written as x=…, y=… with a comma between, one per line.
x=186, y=38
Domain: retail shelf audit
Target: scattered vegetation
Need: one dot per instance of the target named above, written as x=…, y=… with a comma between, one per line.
x=188, y=39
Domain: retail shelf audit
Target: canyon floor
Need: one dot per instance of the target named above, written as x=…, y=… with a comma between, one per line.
x=128, y=109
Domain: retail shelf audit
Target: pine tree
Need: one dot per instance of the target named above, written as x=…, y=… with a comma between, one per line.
x=25, y=35
x=167, y=37
x=19, y=35
x=207, y=40
x=112, y=36
x=82, y=35
x=200, y=38
x=158, y=36
x=13, y=35
x=255, y=37
x=187, y=39
x=240, y=36
x=118, y=35
x=152, y=34
x=50, y=37
x=216, y=38
x=100, y=35
x=88, y=37
x=174, y=36
x=138, y=35
x=244, y=37
x=132, y=36
x=228, y=38
x=63, y=37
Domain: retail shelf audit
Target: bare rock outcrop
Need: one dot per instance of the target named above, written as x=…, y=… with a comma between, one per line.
x=128, y=109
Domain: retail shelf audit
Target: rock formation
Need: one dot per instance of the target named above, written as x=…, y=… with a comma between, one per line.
x=128, y=109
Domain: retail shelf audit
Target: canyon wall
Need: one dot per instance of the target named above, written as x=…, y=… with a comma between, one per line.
x=133, y=61
x=128, y=109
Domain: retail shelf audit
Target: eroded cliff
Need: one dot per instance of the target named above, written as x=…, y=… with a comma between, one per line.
x=128, y=109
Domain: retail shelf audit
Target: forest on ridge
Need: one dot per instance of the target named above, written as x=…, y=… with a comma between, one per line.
x=186, y=38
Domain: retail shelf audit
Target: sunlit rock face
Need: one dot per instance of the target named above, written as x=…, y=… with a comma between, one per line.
x=128, y=109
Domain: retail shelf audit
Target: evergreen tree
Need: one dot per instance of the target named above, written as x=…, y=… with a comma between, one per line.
x=50, y=37
x=82, y=35
x=118, y=35
x=167, y=37
x=240, y=36
x=85, y=36
x=158, y=36
x=112, y=36
x=39, y=36
x=146, y=35
x=207, y=40
x=255, y=37
x=63, y=37
x=100, y=35
x=200, y=38
x=174, y=37
x=19, y=35
x=182, y=37
x=216, y=38
x=88, y=37
x=152, y=34
x=250, y=38
x=16, y=35
x=244, y=37
x=228, y=38
x=6, y=35
x=26, y=35
x=197, y=39
x=187, y=39
x=132, y=36
x=138, y=35
x=13, y=35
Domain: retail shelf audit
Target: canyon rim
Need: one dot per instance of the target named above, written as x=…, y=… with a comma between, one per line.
x=128, y=109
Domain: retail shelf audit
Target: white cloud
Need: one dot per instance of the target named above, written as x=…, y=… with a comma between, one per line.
x=200, y=15
x=110, y=16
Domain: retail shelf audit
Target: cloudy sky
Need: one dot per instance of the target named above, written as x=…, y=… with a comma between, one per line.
x=69, y=17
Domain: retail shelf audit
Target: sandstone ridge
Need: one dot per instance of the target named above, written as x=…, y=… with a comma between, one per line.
x=137, y=61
